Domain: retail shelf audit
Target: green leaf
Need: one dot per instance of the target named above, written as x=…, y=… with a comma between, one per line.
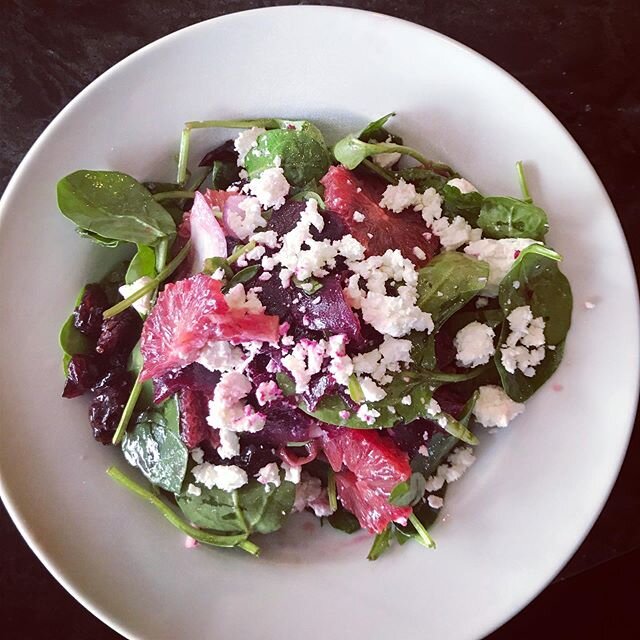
x=422, y=178
x=71, y=340
x=456, y=203
x=211, y=265
x=381, y=543
x=97, y=239
x=223, y=174
x=114, y=206
x=343, y=520
x=142, y=264
x=547, y=291
x=303, y=157
x=373, y=129
x=505, y=217
x=252, y=508
x=408, y=493
x=309, y=287
x=448, y=282
x=244, y=275
x=351, y=151
x=157, y=450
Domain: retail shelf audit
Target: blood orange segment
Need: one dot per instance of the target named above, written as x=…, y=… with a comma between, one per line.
x=368, y=466
x=180, y=324
x=346, y=195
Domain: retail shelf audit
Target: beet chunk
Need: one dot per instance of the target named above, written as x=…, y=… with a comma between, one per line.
x=110, y=396
x=193, y=411
x=194, y=376
x=119, y=334
x=87, y=316
x=83, y=373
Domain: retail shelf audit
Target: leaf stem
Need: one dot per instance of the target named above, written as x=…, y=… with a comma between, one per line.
x=424, y=537
x=183, y=157
x=355, y=389
x=388, y=176
x=240, y=251
x=150, y=286
x=167, y=195
x=127, y=411
x=526, y=196
x=216, y=540
x=331, y=490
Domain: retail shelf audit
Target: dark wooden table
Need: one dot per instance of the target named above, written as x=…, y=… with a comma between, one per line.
x=581, y=59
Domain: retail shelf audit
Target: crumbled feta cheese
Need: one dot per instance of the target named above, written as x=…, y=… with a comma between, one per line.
x=462, y=185
x=524, y=348
x=291, y=472
x=406, y=400
x=244, y=142
x=221, y=355
x=474, y=344
x=304, y=361
x=227, y=409
x=423, y=450
x=270, y=188
x=388, y=357
x=227, y=478
x=197, y=455
x=366, y=414
x=429, y=204
x=500, y=255
x=192, y=490
x=245, y=217
x=454, y=233
x=453, y=469
x=398, y=197
x=240, y=300
x=267, y=238
x=396, y=315
x=494, y=408
x=372, y=392
x=141, y=305
x=481, y=302
x=386, y=160
x=229, y=444
x=309, y=493
x=435, y=502
x=419, y=253
x=433, y=408
x=269, y=474
x=358, y=217
x=267, y=392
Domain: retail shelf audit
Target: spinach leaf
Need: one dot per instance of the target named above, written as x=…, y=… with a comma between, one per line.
x=156, y=449
x=142, y=264
x=303, y=157
x=448, y=282
x=381, y=543
x=351, y=151
x=410, y=492
x=71, y=340
x=211, y=265
x=244, y=275
x=97, y=239
x=114, y=206
x=343, y=520
x=505, y=217
x=375, y=130
x=547, y=291
x=456, y=203
x=423, y=178
x=252, y=508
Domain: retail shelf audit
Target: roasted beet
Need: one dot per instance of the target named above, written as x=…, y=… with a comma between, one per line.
x=83, y=373
x=285, y=219
x=319, y=386
x=253, y=455
x=111, y=395
x=119, y=334
x=193, y=411
x=224, y=153
x=193, y=376
x=87, y=316
x=284, y=424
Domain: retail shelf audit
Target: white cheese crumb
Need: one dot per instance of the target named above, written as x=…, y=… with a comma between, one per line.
x=474, y=344
x=494, y=408
x=270, y=188
x=142, y=305
x=366, y=414
x=269, y=474
x=358, y=217
x=435, y=502
x=463, y=186
x=419, y=253
x=227, y=409
x=197, y=455
x=221, y=355
x=454, y=233
x=372, y=392
x=429, y=204
x=399, y=197
x=245, y=141
x=229, y=444
x=227, y=478
x=291, y=472
x=192, y=490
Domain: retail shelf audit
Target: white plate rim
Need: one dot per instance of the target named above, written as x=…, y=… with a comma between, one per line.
x=22, y=525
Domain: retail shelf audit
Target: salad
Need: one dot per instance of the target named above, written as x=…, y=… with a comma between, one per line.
x=304, y=327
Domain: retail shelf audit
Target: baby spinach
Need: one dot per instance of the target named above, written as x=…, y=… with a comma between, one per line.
x=422, y=177
x=244, y=275
x=381, y=543
x=206, y=537
x=344, y=520
x=448, y=282
x=456, y=203
x=71, y=340
x=252, y=508
x=142, y=264
x=410, y=492
x=113, y=206
x=505, y=217
x=303, y=157
x=97, y=239
x=547, y=291
x=155, y=447
x=375, y=130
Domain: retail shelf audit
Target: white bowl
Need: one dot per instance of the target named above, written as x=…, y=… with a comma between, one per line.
x=537, y=486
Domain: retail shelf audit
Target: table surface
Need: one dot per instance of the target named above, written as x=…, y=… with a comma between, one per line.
x=579, y=60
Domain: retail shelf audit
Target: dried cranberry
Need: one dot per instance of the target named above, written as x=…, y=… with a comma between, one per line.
x=105, y=410
x=87, y=316
x=83, y=373
x=193, y=409
x=119, y=334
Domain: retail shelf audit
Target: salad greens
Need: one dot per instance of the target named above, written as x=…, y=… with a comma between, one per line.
x=261, y=385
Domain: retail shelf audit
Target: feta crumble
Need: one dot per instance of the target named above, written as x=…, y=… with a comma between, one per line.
x=227, y=478
x=435, y=502
x=462, y=185
x=221, y=355
x=398, y=197
x=227, y=409
x=524, y=348
x=358, y=217
x=245, y=217
x=366, y=414
x=474, y=344
x=142, y=305
x=429, y=204
x=454, y=233
x=270, y=188
x=291, y=472
x=245, y=141
x=269, y=474
x=494, y=408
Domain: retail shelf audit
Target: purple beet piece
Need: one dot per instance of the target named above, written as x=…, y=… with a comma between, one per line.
x=224, y=153
x=253, y=455
x=82, y=374
x=193, y=376
x=110, y=396
x=285, y=219
x=320, y=385
x=283, y=424
x=119, y=334
x=193, y=414
x=87, y=316
x=327, y=310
